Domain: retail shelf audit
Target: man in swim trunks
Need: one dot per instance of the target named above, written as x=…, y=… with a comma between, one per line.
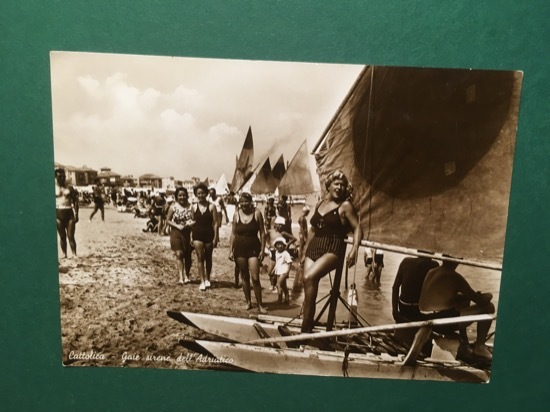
x=98, y=200
x=218, y=202
x=284, y=210
x=445, y=293
x=407, y=287
x=66, y=204
x=378, y=264
x=158, y=210
x=270, y=212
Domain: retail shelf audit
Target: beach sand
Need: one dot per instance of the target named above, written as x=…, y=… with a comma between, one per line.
x=114, y=296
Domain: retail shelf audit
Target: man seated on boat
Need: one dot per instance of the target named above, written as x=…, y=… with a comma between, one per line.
x=445, y=294
x=407, y=287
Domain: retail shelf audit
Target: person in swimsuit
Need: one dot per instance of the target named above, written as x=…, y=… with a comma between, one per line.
x=445, y=293
x=98, y=200
x=368, y=261
x=407, y=287
x=378, y=264
x=325, y=248
x=284, y=210
x=180, y=219
x=205, y=233
x=270, y=212
x=220, y=205
x=246, y=246
x=66, y=204
x=158, y=204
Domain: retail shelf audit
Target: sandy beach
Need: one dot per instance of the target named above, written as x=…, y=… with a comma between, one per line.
x=115, y=295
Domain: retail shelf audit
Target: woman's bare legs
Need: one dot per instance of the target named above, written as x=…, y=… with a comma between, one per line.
x=313, y=273
x=242, y=263
x=254, y=269
x=199, y=250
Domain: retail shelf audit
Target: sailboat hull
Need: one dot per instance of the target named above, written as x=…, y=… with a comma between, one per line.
x=327, y=363
x=307, y=360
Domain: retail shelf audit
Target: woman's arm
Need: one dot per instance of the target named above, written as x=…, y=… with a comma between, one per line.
x=232, y=237
x=215, y=223
x=74, y=202
x=261, y=230
x=310, y=235
x=350, y=215
x=289, y=237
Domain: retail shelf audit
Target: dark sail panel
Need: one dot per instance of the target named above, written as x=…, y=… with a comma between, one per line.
x=243, y=168
x=429, y=153
x=264, y=182
x=279, y=170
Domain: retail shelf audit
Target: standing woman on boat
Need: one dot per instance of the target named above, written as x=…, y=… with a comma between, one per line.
x=246, y=246
x=180, y=218
x=205, y=233
x=333, y=219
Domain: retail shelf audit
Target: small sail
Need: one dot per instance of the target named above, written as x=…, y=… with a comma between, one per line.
x=264, y=182
x=221, y=185
x=243, y=168
x=298, y=179
x=429, y=153
x=279, y=170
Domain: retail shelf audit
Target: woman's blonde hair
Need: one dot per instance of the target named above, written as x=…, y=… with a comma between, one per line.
x=339, y=175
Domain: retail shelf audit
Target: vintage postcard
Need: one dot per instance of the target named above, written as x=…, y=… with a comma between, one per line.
x=279, y=217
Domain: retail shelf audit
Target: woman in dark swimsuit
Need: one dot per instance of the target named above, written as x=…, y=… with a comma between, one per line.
x=325, y=249
x=246, y=246
x=205, y=233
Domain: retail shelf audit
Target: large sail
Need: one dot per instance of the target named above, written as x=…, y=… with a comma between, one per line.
x=298, y=179
x=243, y=168
x=264, y=182
x=429, y=153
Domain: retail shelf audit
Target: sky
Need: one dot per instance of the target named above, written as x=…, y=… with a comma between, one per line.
x=187, y=117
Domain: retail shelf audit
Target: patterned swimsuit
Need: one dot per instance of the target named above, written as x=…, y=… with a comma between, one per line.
x=329, y=236
x=181, y=239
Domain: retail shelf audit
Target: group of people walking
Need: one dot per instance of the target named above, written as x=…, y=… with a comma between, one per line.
x=193, y=227
x=321, y=247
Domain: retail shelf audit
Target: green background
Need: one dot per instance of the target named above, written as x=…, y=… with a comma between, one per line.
x=508, y=35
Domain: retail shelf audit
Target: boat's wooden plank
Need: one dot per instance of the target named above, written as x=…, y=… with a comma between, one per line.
x=367, y=329
x=264, y=335
x=285, y=331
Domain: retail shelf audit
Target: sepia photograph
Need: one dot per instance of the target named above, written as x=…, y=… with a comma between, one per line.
x=281, y=217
